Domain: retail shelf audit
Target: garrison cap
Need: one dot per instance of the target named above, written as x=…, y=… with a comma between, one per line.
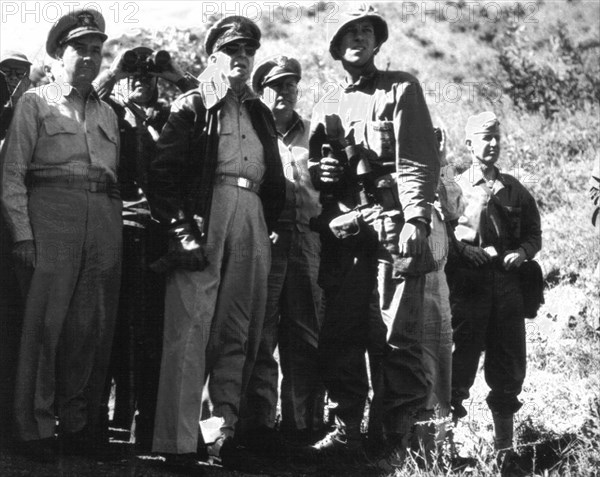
x=482, y=123
x=230, y=29
x=354, y=14
x=75, y=24
x=10, y=55
x=274, y=69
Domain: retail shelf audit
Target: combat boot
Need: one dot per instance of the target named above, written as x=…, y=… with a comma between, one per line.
x=506, y=458
x=422, y=443
x=394, y=454
x=344, y=441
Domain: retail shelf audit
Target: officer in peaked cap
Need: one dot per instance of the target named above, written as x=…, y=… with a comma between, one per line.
x=292, y=316
x=237, y=196
x=272, y=70
x=65, y=142
x=229, y=30
x=75, y=25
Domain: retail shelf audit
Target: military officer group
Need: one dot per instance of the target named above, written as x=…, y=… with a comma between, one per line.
x=215, y=241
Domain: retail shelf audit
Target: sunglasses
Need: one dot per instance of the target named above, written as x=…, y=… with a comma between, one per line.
x=232, y=49
x=19, y=74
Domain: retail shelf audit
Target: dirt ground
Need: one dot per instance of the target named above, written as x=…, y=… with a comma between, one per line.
x=128, y=464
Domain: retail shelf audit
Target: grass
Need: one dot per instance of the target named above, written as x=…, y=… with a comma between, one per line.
x=558, y=428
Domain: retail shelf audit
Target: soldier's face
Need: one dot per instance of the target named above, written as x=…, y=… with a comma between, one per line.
x=485, y=148
x=81, y=59
x=236, y=60
x=358, y=44
x=14, y=71
x=281, y=95
x=142, y=89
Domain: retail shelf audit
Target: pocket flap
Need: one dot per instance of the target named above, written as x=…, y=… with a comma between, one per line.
x=109, y=134
x=60, y=125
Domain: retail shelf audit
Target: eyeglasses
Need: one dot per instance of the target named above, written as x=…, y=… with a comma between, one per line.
x=19, y=74
x=231, y=49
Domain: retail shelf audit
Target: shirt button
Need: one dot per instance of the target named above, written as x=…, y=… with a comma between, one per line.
x=243, y=136
x=245, y=158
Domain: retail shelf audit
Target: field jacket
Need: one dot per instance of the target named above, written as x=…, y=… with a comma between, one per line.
x=181, y=178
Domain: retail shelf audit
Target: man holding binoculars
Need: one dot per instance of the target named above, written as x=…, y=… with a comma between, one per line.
x=135, y=359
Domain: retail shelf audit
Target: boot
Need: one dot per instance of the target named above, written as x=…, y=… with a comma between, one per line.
x=344, y=441
x=503, y=431
x=422, y=442
x=507, y=459
x=394, y=453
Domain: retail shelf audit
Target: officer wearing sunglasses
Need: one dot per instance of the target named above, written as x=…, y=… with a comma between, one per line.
x=218, y=185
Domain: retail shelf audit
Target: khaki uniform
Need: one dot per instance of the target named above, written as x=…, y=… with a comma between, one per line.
x=59, y=166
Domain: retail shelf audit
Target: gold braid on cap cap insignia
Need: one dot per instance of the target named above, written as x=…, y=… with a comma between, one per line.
x=86, y=19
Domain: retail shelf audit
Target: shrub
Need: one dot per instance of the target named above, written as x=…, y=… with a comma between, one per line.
x=536, y=83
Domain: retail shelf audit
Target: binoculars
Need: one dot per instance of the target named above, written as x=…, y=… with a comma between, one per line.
x=142, y=64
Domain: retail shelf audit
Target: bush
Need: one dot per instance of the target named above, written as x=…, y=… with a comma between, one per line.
x=536, y=84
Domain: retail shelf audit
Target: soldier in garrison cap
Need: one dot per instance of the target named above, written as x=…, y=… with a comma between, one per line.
x=498, y=231
x=375, y=160
x=62, y=206
x=217, y=184
x=293, y=317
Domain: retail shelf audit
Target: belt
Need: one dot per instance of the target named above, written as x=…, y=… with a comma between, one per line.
x=237, y=181
x=74, y=183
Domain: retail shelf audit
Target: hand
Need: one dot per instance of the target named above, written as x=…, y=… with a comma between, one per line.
x=185, y=251
x=413, y=238
x=274, y=237
x=24, y=253
x=514, y=259
x=330, y=170
x=116, y=67
x=171, y=73
x=474, y=255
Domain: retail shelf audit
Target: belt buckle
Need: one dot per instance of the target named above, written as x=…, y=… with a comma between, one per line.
x=245, y=183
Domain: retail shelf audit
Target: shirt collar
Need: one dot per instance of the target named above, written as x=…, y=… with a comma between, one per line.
x=297, y=127
x=363, y=82
x=67, y=89
x=477, y=177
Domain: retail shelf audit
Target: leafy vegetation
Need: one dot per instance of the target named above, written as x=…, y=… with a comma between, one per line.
x=535, y=64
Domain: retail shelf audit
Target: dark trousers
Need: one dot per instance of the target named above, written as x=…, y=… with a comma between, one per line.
x=136, y=351
x=11, y=321
x=487, y=316
x=348, y=276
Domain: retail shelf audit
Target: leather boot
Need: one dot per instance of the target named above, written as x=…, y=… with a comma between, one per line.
x=503, y=431
x=422, y=442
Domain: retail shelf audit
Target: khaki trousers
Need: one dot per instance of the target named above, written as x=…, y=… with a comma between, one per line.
x=213, y=321
x=70, y=310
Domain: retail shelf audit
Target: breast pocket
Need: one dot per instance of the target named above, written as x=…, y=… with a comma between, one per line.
x=58, y=139
x=55, y=125
x=108, y=134
x=382, y=141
